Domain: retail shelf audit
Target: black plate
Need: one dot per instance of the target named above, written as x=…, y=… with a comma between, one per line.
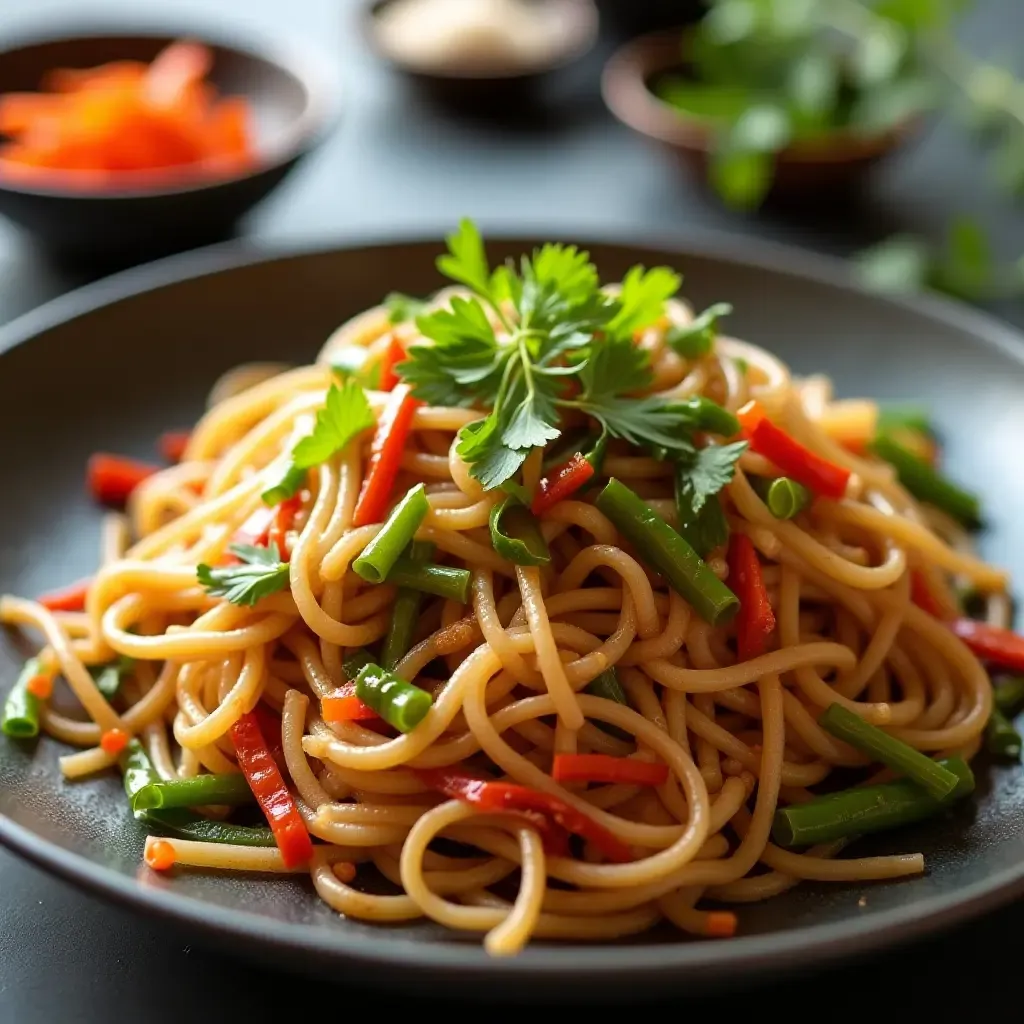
x=112, y=366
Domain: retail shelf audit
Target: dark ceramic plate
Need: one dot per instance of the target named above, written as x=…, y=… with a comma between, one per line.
x=112, y=366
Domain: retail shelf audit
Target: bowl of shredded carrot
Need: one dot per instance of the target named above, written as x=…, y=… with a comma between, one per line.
x=136, y=145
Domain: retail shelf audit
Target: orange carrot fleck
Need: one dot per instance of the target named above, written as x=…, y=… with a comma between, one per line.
x=113, y=741
x=344, y=871
x=159, y=855
x=40, y=686
x=721, y=924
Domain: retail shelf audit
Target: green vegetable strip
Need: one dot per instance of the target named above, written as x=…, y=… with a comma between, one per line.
x=785, y=498
x=667, y=552
x=710, y=416
x=399, y=703
x=405, y=613
x=863, y=809
x=905, y=417
x=383, y=551
x=229, y=789
x=442, y=580
x=139, y=772
x=21, y=709
x=897, y=755
x=1009, y=694
x=515, y=534
x=925, y=484
x=607, y=685
x=1001, y=738
x=356, y=662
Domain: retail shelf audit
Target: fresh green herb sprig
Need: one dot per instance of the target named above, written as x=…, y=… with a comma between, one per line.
x=537, y=340
x=260, y=572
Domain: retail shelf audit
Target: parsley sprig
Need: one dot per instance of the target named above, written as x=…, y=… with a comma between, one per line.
x=261, y=572
x=538, y=339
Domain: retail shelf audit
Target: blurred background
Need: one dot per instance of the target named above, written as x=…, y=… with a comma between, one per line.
x=889, y=132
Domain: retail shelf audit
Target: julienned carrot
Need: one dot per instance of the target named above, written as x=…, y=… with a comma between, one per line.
x=68, y=599
x=342, y=705
x=801, y=464
x=126, y=116
x=112, y=478
x=756, y=620
x=392, y=357
x=994, y=644
x=172, y=445
x=385, y=456
x=605, y=768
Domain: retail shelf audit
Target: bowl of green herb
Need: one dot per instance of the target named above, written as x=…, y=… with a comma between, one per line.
x=791, y=99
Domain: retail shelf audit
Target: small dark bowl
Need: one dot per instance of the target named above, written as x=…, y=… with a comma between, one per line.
x=804, y=172
x=623, y=19
x=294, y=105
x=498, y=90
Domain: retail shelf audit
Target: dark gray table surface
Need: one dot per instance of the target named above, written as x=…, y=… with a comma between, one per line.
x=398, y=166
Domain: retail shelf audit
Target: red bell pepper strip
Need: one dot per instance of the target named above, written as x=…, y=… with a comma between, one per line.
x=1000, y=646
x=270, y=727
x=605, y=768
x=172, y=445
x=560, y=483
x=267, y=784
x=509, y=798
x=394, y=355
x=284, y=520
x=801, y=464
x=922, y=596
x=342, y=705
x=68, y=599
x=756, y=620
x=112, y=478
x=385, y=456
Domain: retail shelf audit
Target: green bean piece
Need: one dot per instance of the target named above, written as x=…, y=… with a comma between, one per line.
x=230, y=789
x=926, y=484
x=864, y=809
x=380, y=555
x=440, y=580
x=355, y=663
x=139, y=772
x=21, y=709
x=1001, y=737
x=607, y=685
x=697, y=338
x=668, y=553
x=897, y=755
x=709, y=416
x=1008, y=694
x=405, y=613
x=905, y=417
x=785, y=498
x=109, y=676
x=399, y=703
x=515, y=534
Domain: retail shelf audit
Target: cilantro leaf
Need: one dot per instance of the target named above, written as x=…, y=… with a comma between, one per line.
x=466, y=261
x=697, y=338
x=490, y=460
x=645, y=421
x=616, y=366
x=532, y=423
x=345, y=415
x=642, y=299
x=402, y=308
x=706, y=472
x=261, y=573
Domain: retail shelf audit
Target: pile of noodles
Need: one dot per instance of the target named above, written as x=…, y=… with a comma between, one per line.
x=738, y=739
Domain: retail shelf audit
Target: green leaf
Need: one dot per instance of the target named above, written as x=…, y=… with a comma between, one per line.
x=490, y=461
x=880, y=53
x=345, y=415
x=761, y=128
x=108, y=677
x=261, y=573
x=730, y=21
x=642, y=299
x=615, y=367
x=705, y=530
x=741, y=179
x=466, y=262
x=813, y=84
x=967, y=265
x=1008, y=164
x=706, y=472
x=898, y=265
x=516, y=535
x=886, y=106
x=532, y=423
x=402, y=308
x=697, y=338
x=567, y=269
x=707, y=102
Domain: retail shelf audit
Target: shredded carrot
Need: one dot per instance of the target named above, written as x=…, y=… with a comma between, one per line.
x=113, y=741
x=721, y=924
x=127, y=116
x=344, y=871
x=40, y=686
x=160, y=855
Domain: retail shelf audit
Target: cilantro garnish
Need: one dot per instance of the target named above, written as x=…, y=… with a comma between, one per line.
x=260, y=574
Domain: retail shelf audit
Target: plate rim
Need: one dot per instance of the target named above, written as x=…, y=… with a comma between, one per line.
x=664, y=965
